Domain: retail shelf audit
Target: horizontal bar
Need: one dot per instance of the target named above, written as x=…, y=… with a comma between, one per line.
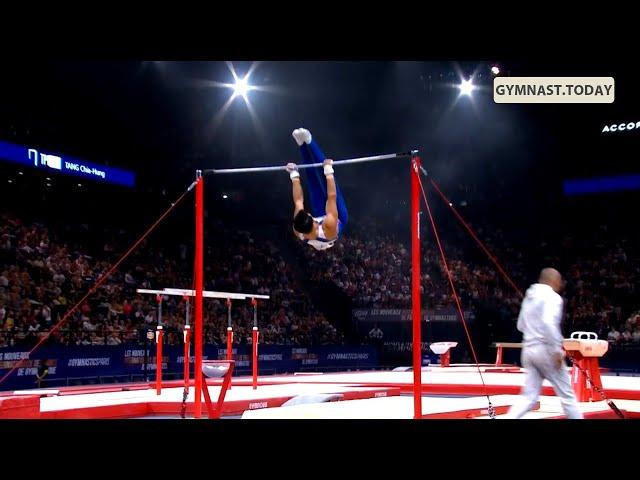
x=308, y=165
x=205, y=293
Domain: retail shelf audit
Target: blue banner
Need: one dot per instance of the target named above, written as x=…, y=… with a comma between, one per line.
x=587, y=186
x=102, y=364
x=403, y=315
x=397, y=326
x=35, y=158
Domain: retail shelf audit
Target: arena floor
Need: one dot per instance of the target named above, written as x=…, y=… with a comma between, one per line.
x=455, y=392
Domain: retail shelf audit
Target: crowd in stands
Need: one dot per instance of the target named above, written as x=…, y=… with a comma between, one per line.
x=45, y=271
x=601, y=289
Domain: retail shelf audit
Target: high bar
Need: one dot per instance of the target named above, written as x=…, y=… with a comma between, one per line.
x=309, y=165
x=205, y=293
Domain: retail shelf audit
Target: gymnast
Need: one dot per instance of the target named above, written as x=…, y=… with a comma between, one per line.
x=322, y=226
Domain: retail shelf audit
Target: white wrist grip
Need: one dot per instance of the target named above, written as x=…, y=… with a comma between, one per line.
x=328, y=169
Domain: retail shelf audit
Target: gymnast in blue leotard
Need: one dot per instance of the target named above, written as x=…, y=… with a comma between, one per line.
x=321, y=227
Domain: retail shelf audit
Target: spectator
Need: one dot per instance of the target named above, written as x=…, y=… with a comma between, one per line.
x=43, y=373
x=113, y=339
x=614, y=336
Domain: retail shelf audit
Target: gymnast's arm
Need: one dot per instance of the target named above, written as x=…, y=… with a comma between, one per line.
x=331, y=220
x=298, y=195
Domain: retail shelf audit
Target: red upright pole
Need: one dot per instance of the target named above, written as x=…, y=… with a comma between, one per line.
x=199, y=266
x=187, y=339
x=254, y=346
x=187, y=343
x=254, y=343
x=159, y=336
x=229, y=332
x=415, y=287
x=229, y=343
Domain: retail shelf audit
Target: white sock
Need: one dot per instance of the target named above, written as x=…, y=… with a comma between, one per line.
x=301, y=136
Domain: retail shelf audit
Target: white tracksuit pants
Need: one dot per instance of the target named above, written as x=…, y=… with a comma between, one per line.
x=539, y=365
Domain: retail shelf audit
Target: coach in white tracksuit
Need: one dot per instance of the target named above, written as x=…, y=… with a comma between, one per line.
x=542, y=352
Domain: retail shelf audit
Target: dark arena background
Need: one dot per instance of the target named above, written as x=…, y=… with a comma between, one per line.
x=98, y=187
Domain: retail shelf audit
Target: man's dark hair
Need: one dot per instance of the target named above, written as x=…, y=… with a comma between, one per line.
x=303, y=222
